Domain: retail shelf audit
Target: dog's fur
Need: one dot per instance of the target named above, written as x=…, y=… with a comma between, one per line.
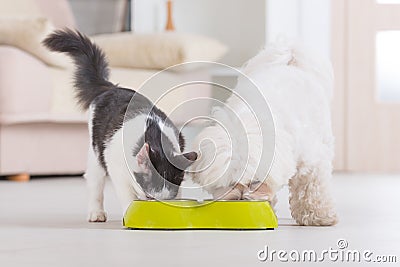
x=298, y=87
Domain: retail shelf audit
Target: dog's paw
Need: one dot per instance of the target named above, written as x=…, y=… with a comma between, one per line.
x=236, y=193
x=319, y=218
x=260, y=191
x=310, y=201
x=97, y=216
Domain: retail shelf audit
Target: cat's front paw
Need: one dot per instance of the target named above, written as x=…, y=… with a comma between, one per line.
x=97, y=216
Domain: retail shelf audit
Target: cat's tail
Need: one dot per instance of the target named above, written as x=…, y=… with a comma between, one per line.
x=91, y=74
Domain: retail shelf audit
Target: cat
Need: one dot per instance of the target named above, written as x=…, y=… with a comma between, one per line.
x=131, y=140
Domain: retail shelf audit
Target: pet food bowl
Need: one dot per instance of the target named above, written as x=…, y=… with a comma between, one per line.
x=189, y=215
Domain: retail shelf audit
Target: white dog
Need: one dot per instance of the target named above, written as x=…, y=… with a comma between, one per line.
x=298, y=87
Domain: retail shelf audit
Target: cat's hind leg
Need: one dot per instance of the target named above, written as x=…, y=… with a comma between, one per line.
x=123, y=183
x=95, y=176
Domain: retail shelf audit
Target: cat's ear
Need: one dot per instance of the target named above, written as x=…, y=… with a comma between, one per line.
x=183, y=161
x=142, y=159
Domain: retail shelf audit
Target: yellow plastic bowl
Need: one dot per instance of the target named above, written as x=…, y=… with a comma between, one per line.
x=188, y=214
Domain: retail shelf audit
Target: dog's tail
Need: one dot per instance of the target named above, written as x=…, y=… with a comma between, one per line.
x=92, y=72
x=286, y=53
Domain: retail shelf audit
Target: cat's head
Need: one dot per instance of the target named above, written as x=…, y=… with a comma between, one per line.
x=160, y=170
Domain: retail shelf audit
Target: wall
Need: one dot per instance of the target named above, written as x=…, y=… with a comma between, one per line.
x=243, y=25
x=98, y=16
x=237, y=23
x=306, y=21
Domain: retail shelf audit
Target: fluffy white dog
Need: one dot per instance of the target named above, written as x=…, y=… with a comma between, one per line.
x=297, y=84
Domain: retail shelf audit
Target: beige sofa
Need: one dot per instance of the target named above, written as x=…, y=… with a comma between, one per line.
x=32, y=139
x=42, y=132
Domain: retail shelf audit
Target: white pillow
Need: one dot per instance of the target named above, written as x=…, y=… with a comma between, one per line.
x=27, y=34
x=158, y=50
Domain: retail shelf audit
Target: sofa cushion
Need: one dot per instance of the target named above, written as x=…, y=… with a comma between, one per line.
x=58, y=11
x=27, y=34
x=28, y=88
x=25, y=87
x=159, y=50
x=19, y=8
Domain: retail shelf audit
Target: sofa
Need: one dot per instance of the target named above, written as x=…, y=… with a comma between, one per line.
x=42, y=131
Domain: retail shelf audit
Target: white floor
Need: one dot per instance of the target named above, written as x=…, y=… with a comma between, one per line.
x=42, y=223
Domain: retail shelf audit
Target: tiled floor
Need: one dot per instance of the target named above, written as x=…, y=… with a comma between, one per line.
x=42, y=223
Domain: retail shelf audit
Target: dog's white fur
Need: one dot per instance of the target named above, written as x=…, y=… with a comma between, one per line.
x=298, y=87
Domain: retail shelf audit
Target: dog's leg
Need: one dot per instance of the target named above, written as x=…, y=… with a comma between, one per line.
x=310, y=200
x=234, y=193
x=95, y=179
x=260, y=191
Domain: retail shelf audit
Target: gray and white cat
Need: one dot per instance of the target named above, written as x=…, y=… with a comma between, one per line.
x=122, y=134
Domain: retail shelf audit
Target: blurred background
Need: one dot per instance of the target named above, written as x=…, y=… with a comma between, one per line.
x=361, y=37
x=44, y=134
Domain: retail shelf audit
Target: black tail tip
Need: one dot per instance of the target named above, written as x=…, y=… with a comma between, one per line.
x=65, y=40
